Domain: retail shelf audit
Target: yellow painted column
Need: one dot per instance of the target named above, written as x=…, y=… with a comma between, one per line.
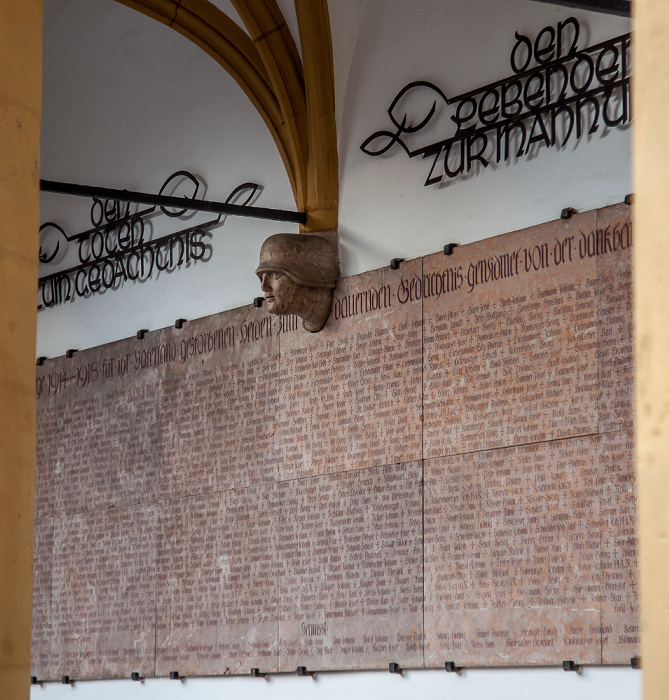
x=651, y=276
x=20, y=111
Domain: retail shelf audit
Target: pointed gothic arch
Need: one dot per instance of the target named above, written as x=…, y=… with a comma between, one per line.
x=295, y=97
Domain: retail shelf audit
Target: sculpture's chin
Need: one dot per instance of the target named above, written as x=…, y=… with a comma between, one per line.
x=314, y=326
x=274, y=306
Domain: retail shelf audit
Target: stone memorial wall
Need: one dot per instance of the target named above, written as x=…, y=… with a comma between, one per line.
x=444, y=473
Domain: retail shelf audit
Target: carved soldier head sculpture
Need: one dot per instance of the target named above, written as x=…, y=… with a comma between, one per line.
x=298, y=273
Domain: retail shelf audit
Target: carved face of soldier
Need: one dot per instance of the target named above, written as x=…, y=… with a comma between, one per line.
x=280, y=291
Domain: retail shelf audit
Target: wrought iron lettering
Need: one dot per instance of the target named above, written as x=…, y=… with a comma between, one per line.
x=557, y=91
x=117, y=249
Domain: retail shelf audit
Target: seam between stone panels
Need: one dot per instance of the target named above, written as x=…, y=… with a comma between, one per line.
x=518, y=444
x=599, y=425
x=422, y=448
x=155, y=592
x=276, y=488
x=422, y=459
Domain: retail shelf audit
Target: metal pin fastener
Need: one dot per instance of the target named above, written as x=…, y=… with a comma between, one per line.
x=302, y=671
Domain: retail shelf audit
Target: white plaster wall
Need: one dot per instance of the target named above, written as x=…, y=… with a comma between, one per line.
x=460, y=45
x=612, y=683
x=127, y=101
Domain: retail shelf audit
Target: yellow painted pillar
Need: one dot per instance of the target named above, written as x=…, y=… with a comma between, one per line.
x=20, y=111
x=651, y=276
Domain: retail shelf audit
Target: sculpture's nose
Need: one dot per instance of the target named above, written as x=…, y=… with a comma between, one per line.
x=264, y=282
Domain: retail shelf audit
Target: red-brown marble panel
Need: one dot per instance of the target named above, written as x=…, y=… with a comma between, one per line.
x=47, y=437
x=502, y=363
x=219, y=398
x=512, y=544
x=611, y=243
x=107, y=416
x=530, y=550
x=350, y=569
x=41, y=662
x=103, y=609
x=217, y=606
x=619, y=555
x=350, y=395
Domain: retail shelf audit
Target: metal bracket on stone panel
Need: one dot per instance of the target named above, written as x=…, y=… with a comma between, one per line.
x=302, y=672
x=118, y=248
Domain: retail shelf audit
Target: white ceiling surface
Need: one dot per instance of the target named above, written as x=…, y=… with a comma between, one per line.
x=127, y=101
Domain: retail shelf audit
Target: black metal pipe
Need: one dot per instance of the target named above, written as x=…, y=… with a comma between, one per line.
x=613, y=7
x=160, y=200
